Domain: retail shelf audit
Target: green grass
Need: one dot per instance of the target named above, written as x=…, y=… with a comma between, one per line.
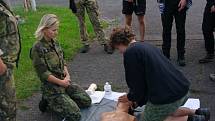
x=26, y=80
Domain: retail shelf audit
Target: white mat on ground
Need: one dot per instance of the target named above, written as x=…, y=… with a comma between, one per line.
x=192, y=103
x=114, y=96
x=108, y=104
x=99, y=95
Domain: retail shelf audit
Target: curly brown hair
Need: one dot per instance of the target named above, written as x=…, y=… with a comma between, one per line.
x=121, y=35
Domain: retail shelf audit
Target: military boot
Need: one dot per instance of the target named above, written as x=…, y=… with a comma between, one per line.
x=181, y=61
x=85, y=49
x=205, y=112
x=43, y=105
x=108, y=49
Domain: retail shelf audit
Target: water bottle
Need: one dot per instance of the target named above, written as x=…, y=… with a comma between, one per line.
x=107, y=88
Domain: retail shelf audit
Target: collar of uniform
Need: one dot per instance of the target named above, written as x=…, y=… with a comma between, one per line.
x=47, y=43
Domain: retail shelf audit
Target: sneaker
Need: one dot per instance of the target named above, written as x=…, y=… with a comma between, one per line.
x=205, y=112
x=85, y=49
x=196, y=118
x=212, y=77
x=43, y=105
x=181, y=62
x=108, y=49
x=207, y=59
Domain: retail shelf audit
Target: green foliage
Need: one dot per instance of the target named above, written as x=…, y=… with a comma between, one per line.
x=27, y=81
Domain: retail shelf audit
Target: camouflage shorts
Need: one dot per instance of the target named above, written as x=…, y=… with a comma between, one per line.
x=7, y=97
x=68, y=105
x=161, y=112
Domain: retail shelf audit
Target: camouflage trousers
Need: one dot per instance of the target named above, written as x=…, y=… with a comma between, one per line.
x=92, y=9
x=7, y=97
x=68, y=105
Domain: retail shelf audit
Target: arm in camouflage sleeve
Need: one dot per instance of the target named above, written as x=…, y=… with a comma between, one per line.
x=42, y=70
x=2, y=24
x=3, y=67
x=39, y=65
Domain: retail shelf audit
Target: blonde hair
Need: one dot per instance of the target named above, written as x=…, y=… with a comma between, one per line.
x=47, y=21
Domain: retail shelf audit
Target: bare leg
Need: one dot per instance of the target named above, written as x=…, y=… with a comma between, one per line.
x=183, y=112
x=142, y=27
x=181, y=118
x=128, y=20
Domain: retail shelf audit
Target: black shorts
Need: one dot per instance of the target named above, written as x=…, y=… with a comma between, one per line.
x=137, y=6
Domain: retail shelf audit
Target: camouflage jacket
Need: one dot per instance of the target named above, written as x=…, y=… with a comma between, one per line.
x=10, y=44
x=48, y=60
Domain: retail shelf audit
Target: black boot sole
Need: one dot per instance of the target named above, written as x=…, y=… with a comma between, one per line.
x=205, y=61
x=85, y=49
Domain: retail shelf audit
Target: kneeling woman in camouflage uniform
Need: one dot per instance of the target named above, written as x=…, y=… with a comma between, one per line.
x=59, y=93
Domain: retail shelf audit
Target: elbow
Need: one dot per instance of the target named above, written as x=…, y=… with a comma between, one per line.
x=42, y=74
x=45, y=76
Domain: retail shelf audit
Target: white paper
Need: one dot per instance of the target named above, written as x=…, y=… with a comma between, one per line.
x=97, y=96
x=192, y=104
x=114, y=96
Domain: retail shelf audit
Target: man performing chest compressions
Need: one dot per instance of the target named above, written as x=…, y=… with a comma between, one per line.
x=153, y=81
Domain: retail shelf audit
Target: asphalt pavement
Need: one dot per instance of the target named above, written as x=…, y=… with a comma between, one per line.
x=98, y=67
